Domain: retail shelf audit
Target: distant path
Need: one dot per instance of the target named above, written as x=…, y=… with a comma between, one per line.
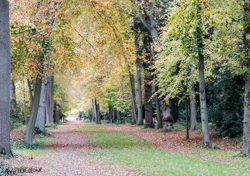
x=68, y=156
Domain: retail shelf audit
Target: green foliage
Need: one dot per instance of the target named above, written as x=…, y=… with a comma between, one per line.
x=53, y=125
x=243, y=155
x=23, y=145
x=37, y=130
x=225, y=108
x=5, y=169
x=15, y=115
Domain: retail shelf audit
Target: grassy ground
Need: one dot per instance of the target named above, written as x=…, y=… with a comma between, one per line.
x=117, y=148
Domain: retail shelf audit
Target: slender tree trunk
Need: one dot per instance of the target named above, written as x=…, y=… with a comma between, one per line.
x=139, y=93
x=49, y=101
x=24, y=104
x=13, y=96
x=34, y=112
x=187, y=126
x=193, y=111
x=31, y=95
x=139, y=90
x=98, y=114
x=5, y=147
x=202, y=88
x=203, y=101
x=110, y=113
x=57, y=116
x=246, y=122
x=41, y=115
x=132, y=88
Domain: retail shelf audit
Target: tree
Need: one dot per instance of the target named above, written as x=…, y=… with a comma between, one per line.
x=5, y=147
x=246, y=41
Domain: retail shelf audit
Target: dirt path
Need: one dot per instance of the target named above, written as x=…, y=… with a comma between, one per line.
x=68, y=156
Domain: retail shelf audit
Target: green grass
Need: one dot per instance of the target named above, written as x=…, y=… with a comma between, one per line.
x=115, y=148
x=29, y=152
x=44, y=141
x=39, y=142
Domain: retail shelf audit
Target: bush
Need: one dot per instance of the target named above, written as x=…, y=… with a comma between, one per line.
x=37, y=130
x=226, y=104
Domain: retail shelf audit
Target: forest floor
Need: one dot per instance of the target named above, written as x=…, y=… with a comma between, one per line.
x=78, y=148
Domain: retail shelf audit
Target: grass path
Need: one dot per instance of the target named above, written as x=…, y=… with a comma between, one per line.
x=78, y=148
x=65, y=157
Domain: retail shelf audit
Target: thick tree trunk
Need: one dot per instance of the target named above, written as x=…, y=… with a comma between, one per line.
x=13, y=96
x=24, y=104
x=139, y=93
x=187, y=126
x=34, y=112
x=193, y=112
x=5, y=147
x=132, y=88
x=246, y=122
x=41, y=115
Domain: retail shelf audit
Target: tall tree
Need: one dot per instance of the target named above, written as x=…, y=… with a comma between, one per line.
x=5, y=146
x=246, y=40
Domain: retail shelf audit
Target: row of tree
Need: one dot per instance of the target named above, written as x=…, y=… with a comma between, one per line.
x=146, y=57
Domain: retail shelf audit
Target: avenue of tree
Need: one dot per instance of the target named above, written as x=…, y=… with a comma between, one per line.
x=133, y=60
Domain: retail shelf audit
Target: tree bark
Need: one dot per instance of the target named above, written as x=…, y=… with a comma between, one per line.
x=13, y=96
x=41, y=115
x=98, y=114
x=139, y=93
x=5, y=147
x=246, y=122
x=110, y=114
x=49, y=101
x=34, y=112
x=187, y=126
x=132, y=88
x=193, y=112
x=203, y=101
x=24, y=104
x=31, y=95
x=148, y=104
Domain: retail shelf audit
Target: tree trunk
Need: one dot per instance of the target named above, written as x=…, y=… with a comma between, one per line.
x=41, y=115
x=49, y=101
x=13, y=96
x=93, y=109
x=98, y=114
x=57, y=116
x=24, y=104
x=203, y=101
x=31, y=95
x=246, y=122
x=5, y=147
x=148, y=104
x=187, y=126
x=139, y=93
x=202, y=87
x=110, y=114
x=132, y=88
x=193, y=111
x=34, y=112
